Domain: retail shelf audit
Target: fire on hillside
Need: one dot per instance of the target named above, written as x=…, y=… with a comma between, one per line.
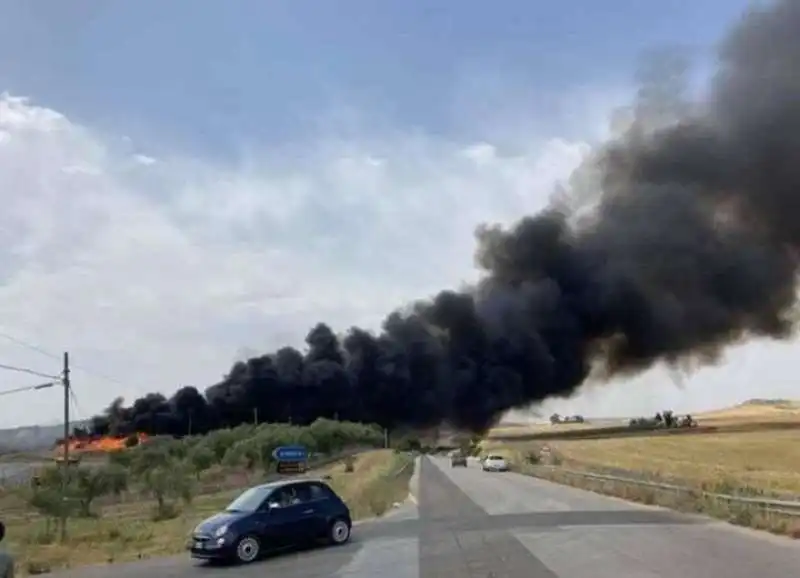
x=97, y=443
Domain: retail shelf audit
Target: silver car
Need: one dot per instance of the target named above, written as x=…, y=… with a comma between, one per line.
x=495, y=463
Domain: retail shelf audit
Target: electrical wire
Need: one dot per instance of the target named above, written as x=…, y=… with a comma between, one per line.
x=27, y=388
x=28, y=371
x=28, y=345
x=79, y=414
x=51, y=355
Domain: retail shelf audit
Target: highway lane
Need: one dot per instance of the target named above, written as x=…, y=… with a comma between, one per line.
x=473, y=524
x=569, y=533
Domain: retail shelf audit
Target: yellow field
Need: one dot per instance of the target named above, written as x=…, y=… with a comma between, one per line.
x=750, y=413
x=752, y=446
x=126, y=532
x=766, y=460
x=522, y=430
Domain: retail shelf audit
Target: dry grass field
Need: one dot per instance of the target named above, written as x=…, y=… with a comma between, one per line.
x=753, y=447
x=125, y=531
x=521, y=430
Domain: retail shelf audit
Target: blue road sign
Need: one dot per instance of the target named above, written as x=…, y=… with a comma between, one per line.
x=290, y=454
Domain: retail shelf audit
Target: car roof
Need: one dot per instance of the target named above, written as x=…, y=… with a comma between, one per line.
x=283, y=483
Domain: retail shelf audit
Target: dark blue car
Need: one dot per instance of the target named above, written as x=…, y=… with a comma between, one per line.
x=271, y=517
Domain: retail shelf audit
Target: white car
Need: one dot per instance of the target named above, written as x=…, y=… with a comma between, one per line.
x=495, y=464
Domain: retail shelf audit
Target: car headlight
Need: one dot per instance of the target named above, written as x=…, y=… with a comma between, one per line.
x=221, y=531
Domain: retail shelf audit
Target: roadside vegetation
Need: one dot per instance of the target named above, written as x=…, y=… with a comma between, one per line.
x=143, y=501
x=749, y=452
x=378, y=481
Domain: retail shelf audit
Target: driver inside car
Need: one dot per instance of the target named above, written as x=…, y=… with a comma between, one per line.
x=286, y=497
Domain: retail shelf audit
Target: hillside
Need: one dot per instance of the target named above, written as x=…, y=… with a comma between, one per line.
x=756, y=410
x=35, y=437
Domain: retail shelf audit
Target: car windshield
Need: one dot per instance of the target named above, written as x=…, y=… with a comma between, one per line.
x=250, y=500
x=495, y=458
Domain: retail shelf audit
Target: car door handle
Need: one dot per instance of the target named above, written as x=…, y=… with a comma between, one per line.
x=309, y=511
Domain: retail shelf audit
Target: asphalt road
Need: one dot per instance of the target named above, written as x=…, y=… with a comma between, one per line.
x=465, y=523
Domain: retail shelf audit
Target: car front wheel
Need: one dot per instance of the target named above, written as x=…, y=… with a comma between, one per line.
x=339, y=532
x=248, y=549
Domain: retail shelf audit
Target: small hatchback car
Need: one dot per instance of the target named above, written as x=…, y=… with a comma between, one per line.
x=270, y=517
x=495, y=464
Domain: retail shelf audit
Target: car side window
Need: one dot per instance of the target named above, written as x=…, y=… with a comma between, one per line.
x=317, y=492
x=279, y=498
x=301, y=494
x=288, y=496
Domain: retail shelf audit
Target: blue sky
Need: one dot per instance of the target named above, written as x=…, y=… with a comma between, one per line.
x=212, y=74
x=187, y=181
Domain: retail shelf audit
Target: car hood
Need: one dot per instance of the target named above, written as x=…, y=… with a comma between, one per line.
x=209, y=525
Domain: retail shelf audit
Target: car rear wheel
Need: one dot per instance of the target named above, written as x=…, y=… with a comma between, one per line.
x=339, y=532
x=247, y=549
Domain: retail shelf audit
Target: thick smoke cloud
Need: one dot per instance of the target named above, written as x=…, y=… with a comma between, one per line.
x=692, y=246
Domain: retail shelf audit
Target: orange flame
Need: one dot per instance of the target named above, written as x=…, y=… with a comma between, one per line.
x=96, y=444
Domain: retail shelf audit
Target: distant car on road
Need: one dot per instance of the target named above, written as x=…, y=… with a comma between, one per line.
x=494, y=463
x=458, y=459
x=270, y=517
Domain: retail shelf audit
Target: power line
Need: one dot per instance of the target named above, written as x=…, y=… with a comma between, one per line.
x=78, y=410
x=28, y=371
x=28, y=345
x=51, y=355
x=27, y=388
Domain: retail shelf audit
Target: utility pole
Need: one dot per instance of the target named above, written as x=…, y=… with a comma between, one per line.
x=255, y=416
x=65, y=473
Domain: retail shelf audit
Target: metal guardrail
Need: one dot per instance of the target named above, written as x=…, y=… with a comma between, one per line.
x=783, y=507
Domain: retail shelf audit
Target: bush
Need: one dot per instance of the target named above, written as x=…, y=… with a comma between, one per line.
x=201, y=458
x=407, y=443
x=166, y=485
x=533, y=458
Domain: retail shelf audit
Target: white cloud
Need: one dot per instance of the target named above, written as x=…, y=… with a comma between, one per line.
x=161, y=272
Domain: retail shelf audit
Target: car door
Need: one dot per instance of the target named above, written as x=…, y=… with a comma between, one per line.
x=279, y=521
x=318, y=509
x=268, y=527
x=304, y=511
x=294, y=514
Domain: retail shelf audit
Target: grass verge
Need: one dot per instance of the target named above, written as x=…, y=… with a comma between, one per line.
x=126, y=531
x=379, y=481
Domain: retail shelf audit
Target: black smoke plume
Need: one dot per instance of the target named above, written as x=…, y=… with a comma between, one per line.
x=691, y=246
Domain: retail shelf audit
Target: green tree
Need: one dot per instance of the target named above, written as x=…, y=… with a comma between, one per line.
x=88, y=484
x=145, y=458
x=201, y=458
x=124, y=459
x=49, y=503
x=165, y=485
x=244, y=453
